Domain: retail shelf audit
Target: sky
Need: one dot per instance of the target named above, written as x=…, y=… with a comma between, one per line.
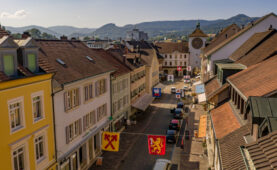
x=96, y=13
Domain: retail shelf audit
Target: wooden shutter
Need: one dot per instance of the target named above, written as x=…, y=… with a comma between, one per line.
x=67, y=134
x=105, y=109
x=96, y=88
x=65, y=101
x=84, y=122
x=78, y=96
x=80, y=125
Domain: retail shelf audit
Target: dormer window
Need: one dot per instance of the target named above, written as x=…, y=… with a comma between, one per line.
x=32, y=66
x=8, y=63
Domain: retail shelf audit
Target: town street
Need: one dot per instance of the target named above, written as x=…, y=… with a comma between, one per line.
x=133, y=152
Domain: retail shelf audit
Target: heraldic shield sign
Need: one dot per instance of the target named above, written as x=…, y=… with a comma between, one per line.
x=156, y=144
x=110, y=141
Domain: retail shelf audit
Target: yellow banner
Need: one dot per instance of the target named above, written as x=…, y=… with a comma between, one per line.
x=110, y=141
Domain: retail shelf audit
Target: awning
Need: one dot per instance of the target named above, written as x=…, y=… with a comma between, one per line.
x=201, y=98
x=160, y=85
x=143, y=102
x=202, y=126
x=200, y=88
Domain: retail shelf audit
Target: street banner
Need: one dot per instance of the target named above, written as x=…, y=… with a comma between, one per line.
x=110, y=141
x=189, y=68
x=157, y=92
x=156, y=145
x=179, y=68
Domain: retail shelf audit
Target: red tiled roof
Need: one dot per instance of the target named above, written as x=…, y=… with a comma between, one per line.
x=73, y=54
x=198, y=33
x=229, y=31
x=227, y=41
x=121, y=68
x=211, y=86
x=263, y=152
x=257, y=80
x=224, y=120
x=249, y=45
x=260, y=53
x=170, y=47
x=229, y=147
x=3, y=32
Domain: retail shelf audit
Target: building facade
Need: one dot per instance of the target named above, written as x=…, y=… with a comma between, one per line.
x=26, y=126
x=136, y=35
x=82, y=101
x=175, y=55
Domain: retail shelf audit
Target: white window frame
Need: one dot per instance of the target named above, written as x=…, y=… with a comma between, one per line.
x=41, y=95
x=43, y=161
x=24, y=144
x=22, y=116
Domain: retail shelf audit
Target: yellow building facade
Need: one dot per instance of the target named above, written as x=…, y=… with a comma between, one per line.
x=26, y=124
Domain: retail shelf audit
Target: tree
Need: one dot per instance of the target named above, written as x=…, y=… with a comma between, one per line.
x=86, y=38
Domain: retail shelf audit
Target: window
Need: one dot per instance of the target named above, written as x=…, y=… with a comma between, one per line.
x=71, y=99
x=37, y=108
x=8, y=65
x=165, y=56
x=18, y=158
x=170, y=56
x=86, y=122
x=88, y=92
x=175, y=63
x=185, y=56
x=31, y=62
x=165, y=63
x=100, y=87
x=16, y=115
x=73, y=130
x=175, y=56
x=170, y=63
x=101, y=112
x=89, y=120
x=39, y=145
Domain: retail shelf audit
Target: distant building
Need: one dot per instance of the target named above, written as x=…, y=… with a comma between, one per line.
x=137, y=35
x=97, y=44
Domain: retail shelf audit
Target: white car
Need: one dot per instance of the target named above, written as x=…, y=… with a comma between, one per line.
x=162, y=164
x=173, y=89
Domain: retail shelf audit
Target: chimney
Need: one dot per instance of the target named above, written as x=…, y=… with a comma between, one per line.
x=25, y=35
x=63, y=37
x=270, y=27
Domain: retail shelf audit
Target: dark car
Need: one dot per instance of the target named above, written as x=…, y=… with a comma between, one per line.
x=174, y=124
x=172, y=110
x=171, y=136
x=180, y=105
x=178, y=114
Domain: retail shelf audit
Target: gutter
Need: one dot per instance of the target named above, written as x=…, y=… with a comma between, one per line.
x=244, y=157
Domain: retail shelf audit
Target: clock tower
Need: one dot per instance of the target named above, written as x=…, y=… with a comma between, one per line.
x=197, y=40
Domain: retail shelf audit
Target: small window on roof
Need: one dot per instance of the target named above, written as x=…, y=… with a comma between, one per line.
x=32, y=62
x=90, y=59
x=60, y=62
x=8, y=65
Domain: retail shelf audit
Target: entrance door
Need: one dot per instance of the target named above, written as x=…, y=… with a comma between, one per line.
x=83, y=155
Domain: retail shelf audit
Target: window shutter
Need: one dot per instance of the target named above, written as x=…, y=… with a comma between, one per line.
x=78, y=96
x=67, y=134
x=65, y=101
x=105, y=109
x=96, y=88
x=84, y=122
x=80, y=126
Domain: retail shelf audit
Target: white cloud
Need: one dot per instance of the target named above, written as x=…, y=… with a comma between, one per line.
x=17, y=15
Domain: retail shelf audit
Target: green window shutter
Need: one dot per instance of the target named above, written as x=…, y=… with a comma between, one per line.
x=32, y=62
x=8, y=65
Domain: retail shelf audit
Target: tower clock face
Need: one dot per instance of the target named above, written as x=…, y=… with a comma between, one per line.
x=197, y=43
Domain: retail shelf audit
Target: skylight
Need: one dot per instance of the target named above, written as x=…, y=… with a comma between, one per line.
x=90, y=59
x=60, y=62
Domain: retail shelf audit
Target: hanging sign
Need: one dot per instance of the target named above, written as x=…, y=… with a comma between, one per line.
x=156, y=145
x=110, y=141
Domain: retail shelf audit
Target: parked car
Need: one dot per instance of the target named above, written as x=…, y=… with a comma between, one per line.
x=180, y=105
x=171, y=136
x=178, y=114
x=173, y=89
x=186, y=88
x=174, y=124
x=172, y=110
x=162, y=164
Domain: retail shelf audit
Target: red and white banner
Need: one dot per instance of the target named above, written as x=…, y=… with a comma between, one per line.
x=156, y=144
x=179, y=68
